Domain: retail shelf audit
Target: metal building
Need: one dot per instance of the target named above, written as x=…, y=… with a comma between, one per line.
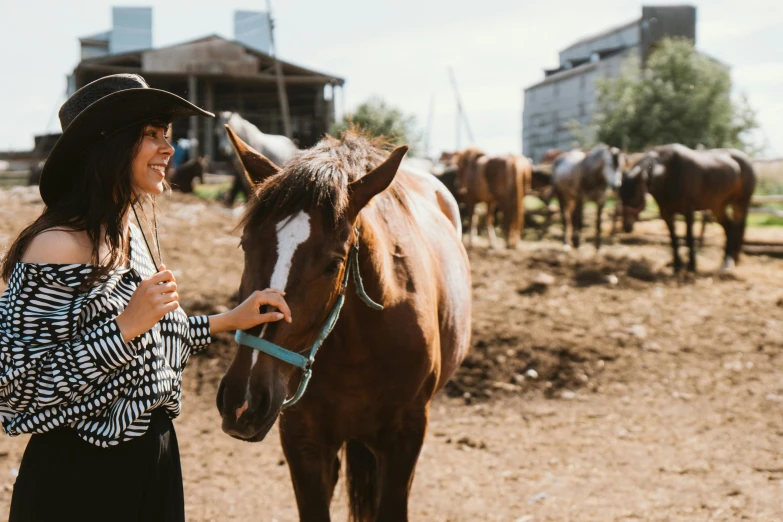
x=568, y=92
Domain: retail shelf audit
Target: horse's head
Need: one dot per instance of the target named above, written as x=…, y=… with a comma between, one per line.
x=298, y=233
x=634, y=187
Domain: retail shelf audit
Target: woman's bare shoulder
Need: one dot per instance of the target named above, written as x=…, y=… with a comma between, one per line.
x=59, y=246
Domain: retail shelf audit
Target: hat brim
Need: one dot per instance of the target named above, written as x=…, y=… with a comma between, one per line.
x=107, y=115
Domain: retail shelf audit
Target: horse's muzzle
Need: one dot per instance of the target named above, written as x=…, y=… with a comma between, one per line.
x=248, y=419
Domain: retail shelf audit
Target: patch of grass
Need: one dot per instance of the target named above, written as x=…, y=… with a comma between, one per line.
x=213, y=191
x=764, y=220
x=533, y=203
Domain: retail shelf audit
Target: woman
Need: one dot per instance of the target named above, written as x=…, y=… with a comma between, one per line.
x=92, y=339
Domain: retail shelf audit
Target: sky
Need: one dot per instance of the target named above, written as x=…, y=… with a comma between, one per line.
x=399, y=50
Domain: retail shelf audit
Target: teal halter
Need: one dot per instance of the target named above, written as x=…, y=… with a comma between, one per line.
x=297, y=359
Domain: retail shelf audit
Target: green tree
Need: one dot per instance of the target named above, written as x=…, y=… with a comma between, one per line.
x=377, y=118
x=681, y=96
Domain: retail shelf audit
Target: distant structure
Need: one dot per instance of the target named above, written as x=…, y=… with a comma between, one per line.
x=568, y=92
x=214, y=73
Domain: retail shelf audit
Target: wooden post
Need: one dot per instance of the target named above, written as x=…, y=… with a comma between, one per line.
x=193, y=131
x=209, y=124
x=282, y=94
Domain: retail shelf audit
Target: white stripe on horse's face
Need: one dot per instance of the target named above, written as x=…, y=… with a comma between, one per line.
x=291, y=232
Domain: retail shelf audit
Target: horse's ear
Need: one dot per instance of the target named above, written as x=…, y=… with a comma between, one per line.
x=257, y=166
x=374, y=182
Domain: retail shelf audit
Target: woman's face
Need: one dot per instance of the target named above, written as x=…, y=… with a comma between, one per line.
x=149, y=165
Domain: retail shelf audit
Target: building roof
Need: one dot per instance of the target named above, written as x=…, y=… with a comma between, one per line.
x=568, y=73
x=607, y=32
x=580, y=67
x=133, y=59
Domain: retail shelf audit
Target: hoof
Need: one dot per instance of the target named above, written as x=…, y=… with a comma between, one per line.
x=728, y=265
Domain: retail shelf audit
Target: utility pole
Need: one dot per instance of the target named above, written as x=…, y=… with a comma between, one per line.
x=282, y=94
x=462, y=118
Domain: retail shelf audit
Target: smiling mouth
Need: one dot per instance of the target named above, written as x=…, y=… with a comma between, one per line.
x=160, y=169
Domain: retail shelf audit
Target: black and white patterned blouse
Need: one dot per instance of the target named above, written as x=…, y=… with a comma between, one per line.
x=63, y=361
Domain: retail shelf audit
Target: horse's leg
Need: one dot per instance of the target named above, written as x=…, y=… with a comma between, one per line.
x=739, y=214
x=618, y=207
x=705, y=218
x=314, y=468
x=720, y=216
x=471, y=211
x=577, y=222
x=398, y=450
x=548, y=217
x=493, y=240
x=599, y=210
x=565, y=215
x=689, y=240
x=669, y=219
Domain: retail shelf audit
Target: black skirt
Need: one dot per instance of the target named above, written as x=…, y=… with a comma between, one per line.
x=63, y=477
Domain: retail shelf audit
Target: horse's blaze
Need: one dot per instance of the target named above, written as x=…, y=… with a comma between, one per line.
x=292, y=232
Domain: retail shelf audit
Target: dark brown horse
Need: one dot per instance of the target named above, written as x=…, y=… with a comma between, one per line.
x=181, y=178
x=501, y=183
x=375, y=375
x=684, y=181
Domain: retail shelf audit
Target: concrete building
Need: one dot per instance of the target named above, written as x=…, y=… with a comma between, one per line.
x=568, y=93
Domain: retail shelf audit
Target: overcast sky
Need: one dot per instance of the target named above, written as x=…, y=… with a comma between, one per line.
x=399, y=50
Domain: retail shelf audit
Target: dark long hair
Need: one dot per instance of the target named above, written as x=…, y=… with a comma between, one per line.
x=98, y=198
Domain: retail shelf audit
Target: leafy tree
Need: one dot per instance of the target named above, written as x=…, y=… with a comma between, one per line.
x=377, y=118
x=680, y=96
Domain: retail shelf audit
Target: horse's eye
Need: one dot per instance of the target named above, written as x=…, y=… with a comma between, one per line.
x=333, y=267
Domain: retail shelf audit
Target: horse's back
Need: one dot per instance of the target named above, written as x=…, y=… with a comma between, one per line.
x=703, y=179
x=566, y=173
x=433, y=189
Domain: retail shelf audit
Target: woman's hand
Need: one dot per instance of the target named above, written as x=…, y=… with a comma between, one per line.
x=153, y=298
x=248, y=314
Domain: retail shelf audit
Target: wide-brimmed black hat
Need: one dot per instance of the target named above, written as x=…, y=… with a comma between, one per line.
x=97, y=110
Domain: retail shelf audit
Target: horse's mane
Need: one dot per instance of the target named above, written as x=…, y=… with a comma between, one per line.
x=318, y=178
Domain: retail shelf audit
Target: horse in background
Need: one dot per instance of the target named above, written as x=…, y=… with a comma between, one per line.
x=337, y=209
x=579, y=177
x=633, y=212
x=684, y=181
x=181, y=178
x=501, y=183
x=279, y=149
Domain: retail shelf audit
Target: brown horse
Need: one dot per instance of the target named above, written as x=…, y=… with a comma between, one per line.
x=499, y=181
x=377, y=372
x=181, y=178
x=683, y=181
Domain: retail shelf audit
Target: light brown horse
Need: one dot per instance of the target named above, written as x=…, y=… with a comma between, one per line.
x=375, y=375
x=684, y=181
x=501, y=183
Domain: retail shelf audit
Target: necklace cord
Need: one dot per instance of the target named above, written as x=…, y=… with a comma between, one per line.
x=143, y=235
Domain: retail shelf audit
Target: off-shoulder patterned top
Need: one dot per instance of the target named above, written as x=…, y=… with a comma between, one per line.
x=63, y=361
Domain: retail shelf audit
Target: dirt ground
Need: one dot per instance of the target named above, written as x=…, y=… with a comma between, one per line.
x=599, y=386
